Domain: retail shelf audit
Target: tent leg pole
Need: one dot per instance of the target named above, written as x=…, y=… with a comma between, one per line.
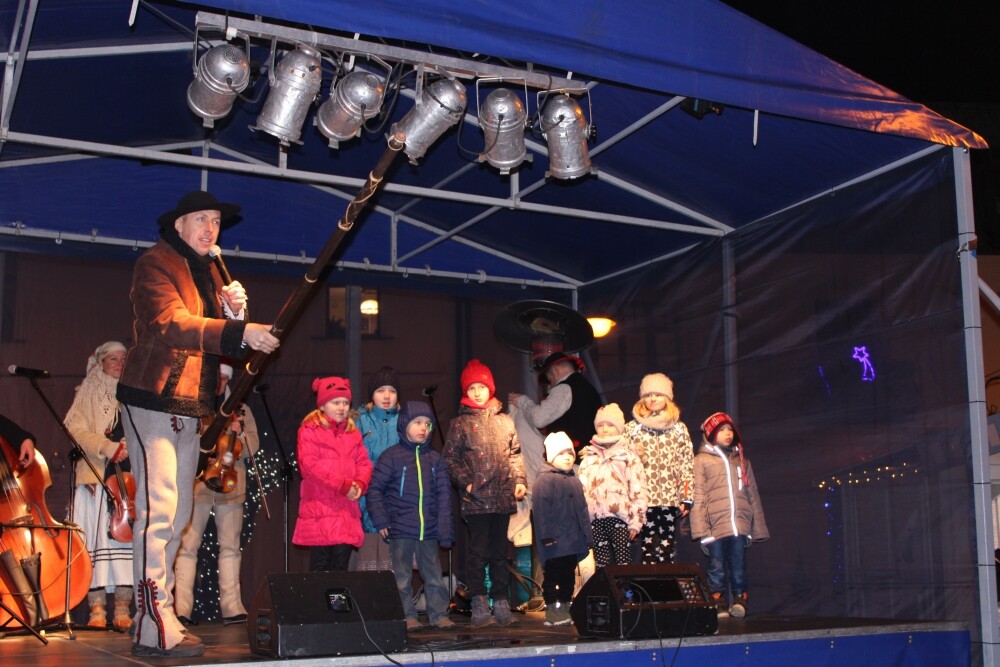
x=980, y=454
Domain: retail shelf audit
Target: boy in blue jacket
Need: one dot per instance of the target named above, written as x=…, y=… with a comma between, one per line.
x=409, y=500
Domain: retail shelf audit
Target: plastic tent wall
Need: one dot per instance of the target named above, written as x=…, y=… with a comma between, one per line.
x=835, y=332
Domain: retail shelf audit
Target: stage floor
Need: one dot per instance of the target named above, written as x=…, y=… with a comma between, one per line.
x=757, y=639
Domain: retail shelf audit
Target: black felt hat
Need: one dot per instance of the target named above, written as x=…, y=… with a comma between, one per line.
x=553, y=359
x=199, y=200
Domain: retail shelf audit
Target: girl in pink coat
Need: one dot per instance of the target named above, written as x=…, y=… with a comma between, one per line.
x=335, y=474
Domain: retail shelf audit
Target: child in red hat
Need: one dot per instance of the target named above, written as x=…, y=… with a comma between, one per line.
x=335, y=474
x=727, y=514
x=484, y=460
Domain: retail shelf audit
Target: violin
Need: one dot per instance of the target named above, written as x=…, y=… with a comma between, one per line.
x=121, y=486
x=34, y=548
x=120, y=483
x=220, y=474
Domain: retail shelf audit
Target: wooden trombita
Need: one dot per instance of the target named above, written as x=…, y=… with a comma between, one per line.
x=300, y=297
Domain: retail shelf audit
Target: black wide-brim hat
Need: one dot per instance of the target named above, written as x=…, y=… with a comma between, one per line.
x=199, y=200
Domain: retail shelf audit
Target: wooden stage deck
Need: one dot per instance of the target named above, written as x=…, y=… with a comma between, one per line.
x=763, y=639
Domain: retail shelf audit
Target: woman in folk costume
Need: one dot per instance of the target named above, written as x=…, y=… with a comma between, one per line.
x=93, y=421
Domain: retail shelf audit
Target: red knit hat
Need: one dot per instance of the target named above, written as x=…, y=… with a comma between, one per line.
x=330, y=388
x=476, y=371
x=711, y=426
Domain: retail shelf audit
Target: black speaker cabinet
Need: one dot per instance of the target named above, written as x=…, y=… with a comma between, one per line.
x=645, y=601
x=326, y=613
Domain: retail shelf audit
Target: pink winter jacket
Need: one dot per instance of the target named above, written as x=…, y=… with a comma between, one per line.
x=330, y=459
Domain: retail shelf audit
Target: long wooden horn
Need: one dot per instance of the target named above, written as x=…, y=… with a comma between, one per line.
x=300, y=297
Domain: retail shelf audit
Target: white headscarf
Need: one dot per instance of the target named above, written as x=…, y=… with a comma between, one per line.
x=95, y=397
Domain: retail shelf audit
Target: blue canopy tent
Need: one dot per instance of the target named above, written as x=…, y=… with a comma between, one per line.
x=97, y=140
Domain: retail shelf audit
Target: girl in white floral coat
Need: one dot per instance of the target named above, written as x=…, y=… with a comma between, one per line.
x=664, y=445
x=614, y=485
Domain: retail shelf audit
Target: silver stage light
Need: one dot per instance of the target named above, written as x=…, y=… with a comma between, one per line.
x=294, y=85
x=356, y=98
x=221, y=73
x=502, y=118
x=566, y=133
x=441, y=106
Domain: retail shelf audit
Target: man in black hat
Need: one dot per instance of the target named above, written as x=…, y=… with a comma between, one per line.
x=571, y=403
x=185, y=320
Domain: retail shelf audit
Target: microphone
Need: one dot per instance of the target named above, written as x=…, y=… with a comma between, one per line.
x=429, y=390
x=215, y=252
x=260, y=389
x=27, y=372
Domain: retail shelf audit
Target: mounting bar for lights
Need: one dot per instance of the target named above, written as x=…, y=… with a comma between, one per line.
x=457, y=67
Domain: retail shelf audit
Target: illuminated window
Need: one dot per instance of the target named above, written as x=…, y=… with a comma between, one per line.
x=336, y=311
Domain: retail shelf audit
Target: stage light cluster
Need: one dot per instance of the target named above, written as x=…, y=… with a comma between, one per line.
x=363, y=89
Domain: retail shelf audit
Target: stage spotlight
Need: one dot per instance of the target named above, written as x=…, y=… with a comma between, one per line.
x=295, y=83
x=356, y=98
x=502, y=118
x=566, y=132
x=441, y=105
x=222, y=73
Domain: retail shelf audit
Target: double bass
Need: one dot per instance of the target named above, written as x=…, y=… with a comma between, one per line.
x=34, y=544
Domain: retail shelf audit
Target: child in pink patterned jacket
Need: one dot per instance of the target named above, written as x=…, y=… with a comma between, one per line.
x=335, y=474
x=614, y=484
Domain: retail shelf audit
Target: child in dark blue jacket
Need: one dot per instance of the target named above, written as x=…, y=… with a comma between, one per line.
x=409, y=500
x=563, y=534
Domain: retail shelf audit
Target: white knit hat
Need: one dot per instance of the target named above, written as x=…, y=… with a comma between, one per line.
x=657, y=383
x=555, y=444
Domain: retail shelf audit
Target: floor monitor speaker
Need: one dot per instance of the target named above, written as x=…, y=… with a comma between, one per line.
x=645, y=601
x=326, y=613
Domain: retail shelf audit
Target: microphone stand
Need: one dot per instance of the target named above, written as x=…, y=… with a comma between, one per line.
x=429, y=394
x=287, y=470
x=70, y=526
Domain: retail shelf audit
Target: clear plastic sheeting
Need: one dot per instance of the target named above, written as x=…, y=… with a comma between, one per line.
x=850, y=388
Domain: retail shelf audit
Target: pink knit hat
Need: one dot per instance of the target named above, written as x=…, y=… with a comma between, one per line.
x=657, y=383
x=612, y=414
x=330, y=388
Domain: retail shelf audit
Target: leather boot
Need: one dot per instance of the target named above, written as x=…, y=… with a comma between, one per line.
x=481, y=612
x=502, y=613
x=123, y=612
x=98, y=609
